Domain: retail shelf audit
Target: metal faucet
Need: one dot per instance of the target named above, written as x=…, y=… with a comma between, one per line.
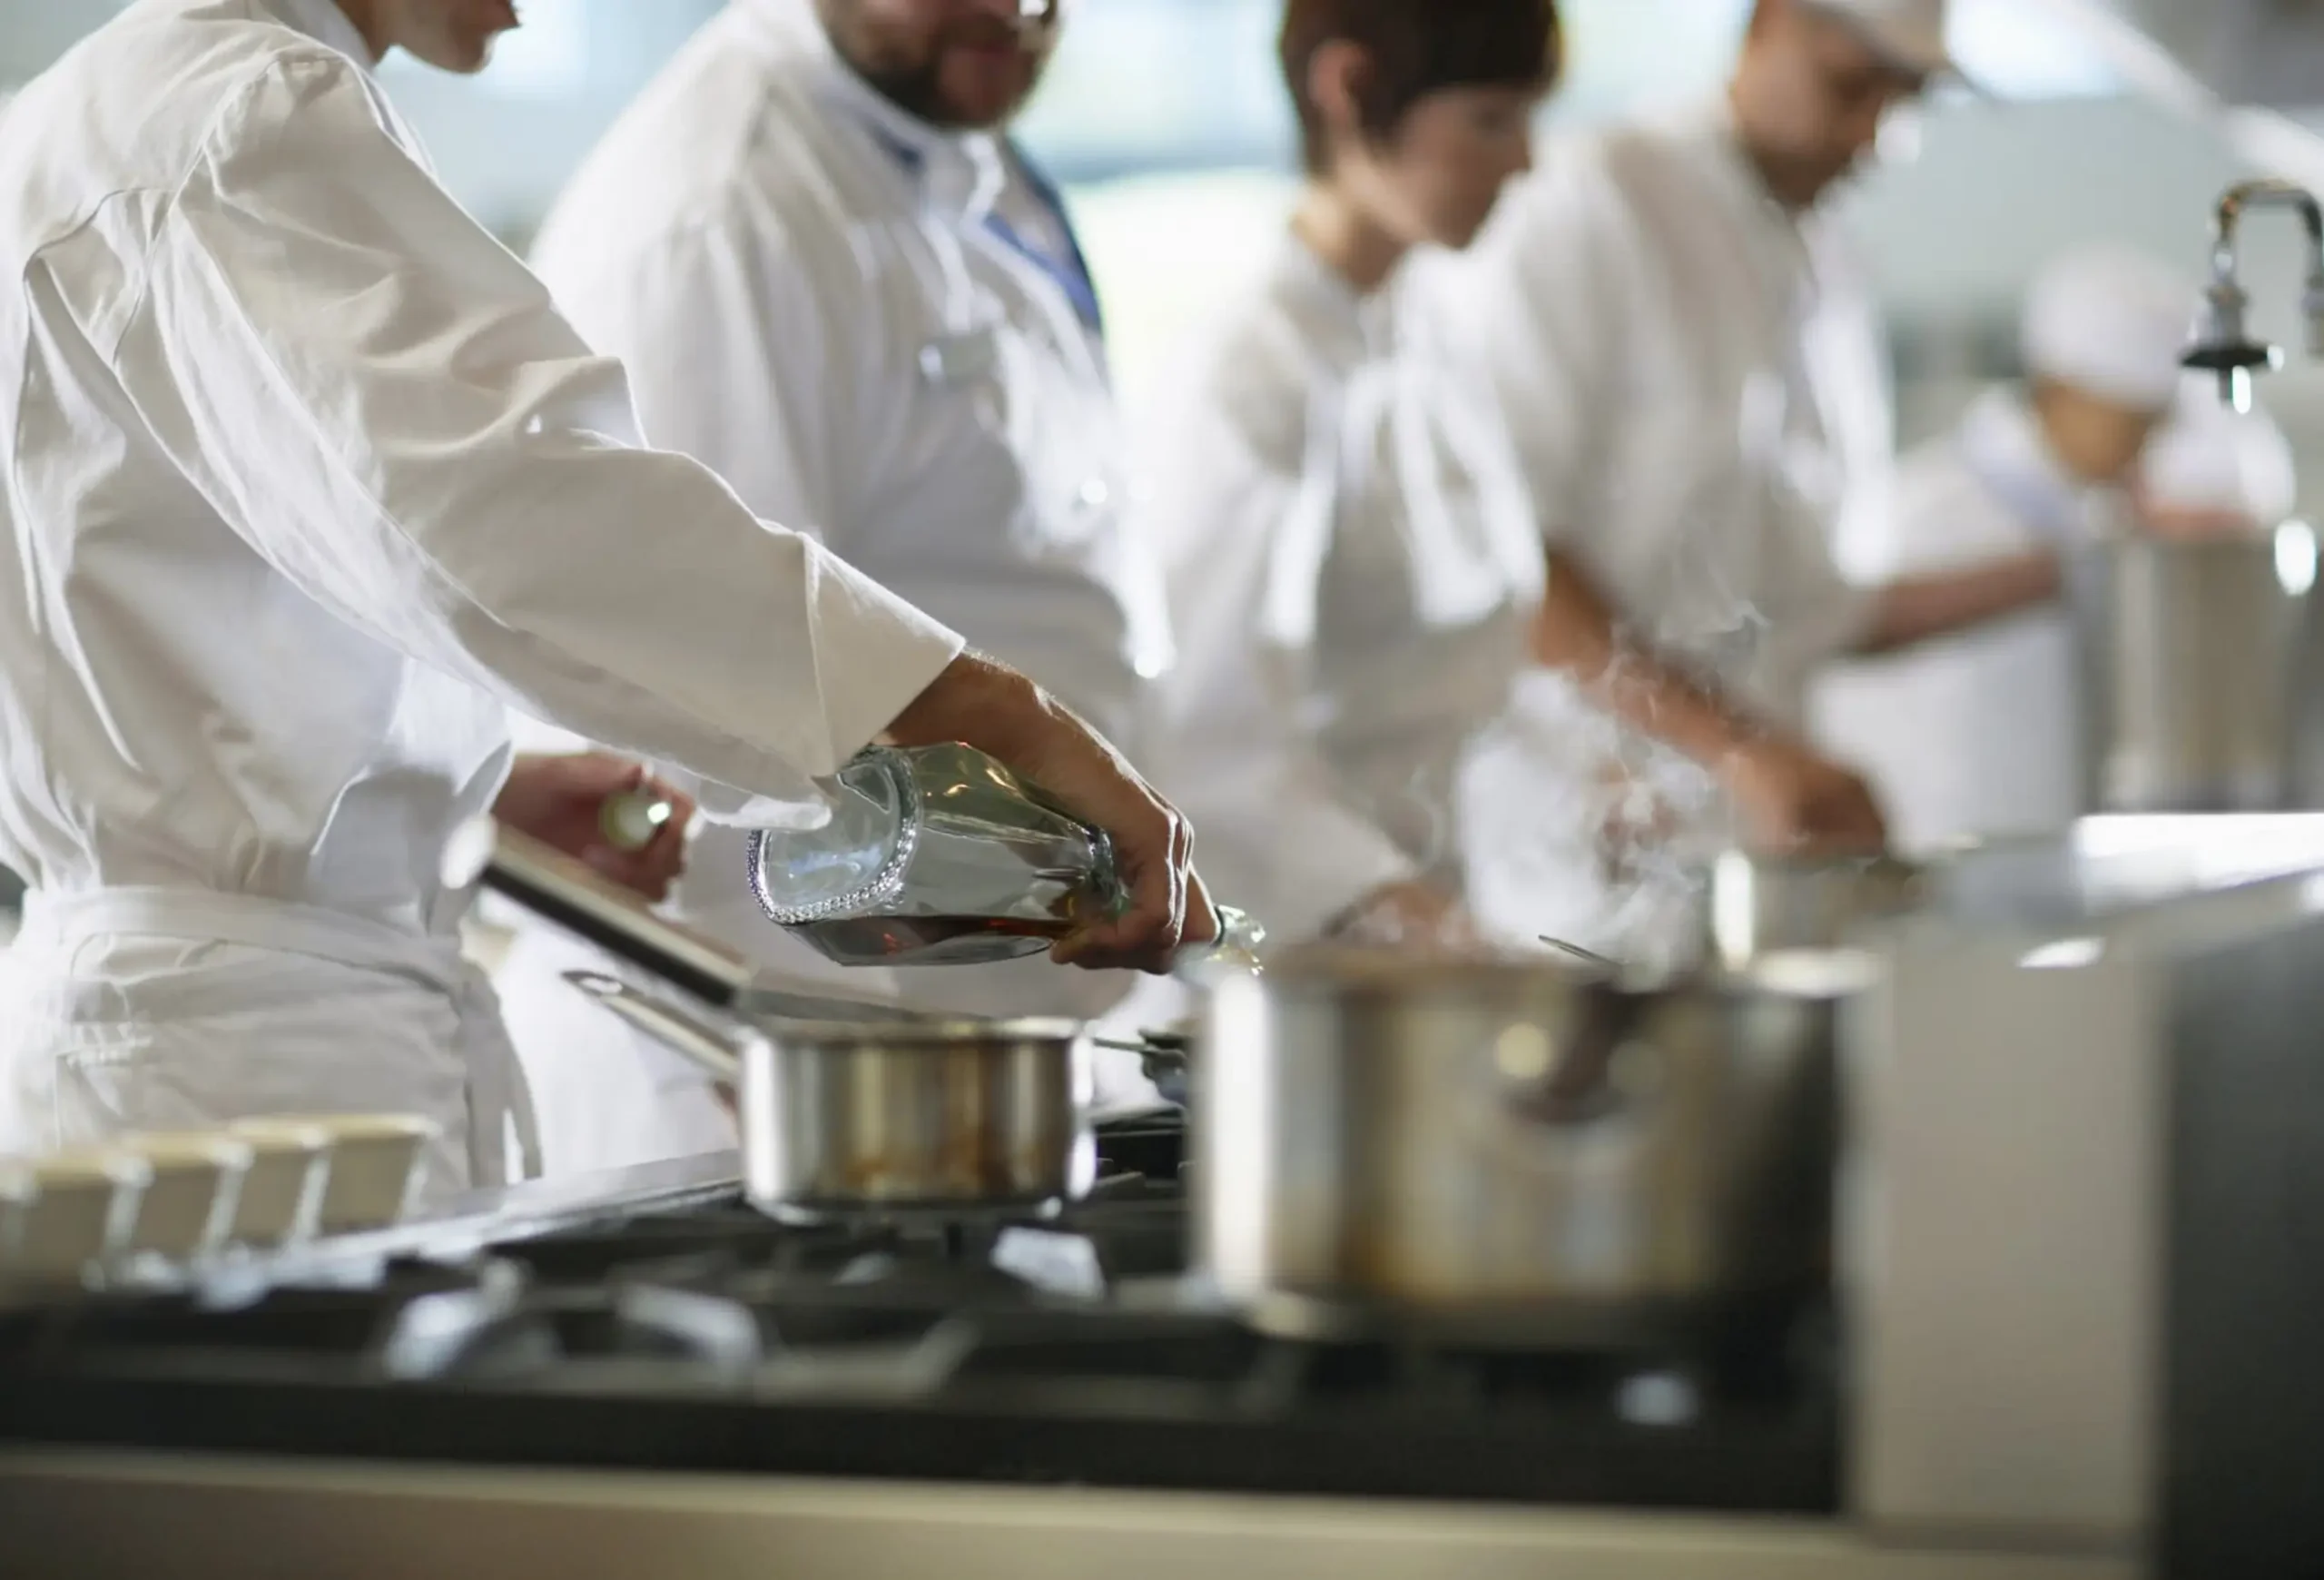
x=2223, y=343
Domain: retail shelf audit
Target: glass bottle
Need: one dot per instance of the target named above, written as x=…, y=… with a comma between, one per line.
x=935, y=855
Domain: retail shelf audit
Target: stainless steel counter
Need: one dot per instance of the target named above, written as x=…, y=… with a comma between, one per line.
x=92, y=1516
x=97, y=1513
x=101, y=1513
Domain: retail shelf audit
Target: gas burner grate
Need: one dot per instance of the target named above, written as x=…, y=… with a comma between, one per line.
x=710, y=1337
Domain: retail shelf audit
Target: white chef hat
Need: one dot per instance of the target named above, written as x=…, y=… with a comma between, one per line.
x=1909, y=33
x=2112, y=321
x=2211, y=457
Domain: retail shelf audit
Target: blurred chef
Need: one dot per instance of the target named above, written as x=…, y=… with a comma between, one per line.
x=1980, y=733
x=307, y=483
x=835, y=281
x=1354, y=563
x=1694, y=381
x=2213, y=471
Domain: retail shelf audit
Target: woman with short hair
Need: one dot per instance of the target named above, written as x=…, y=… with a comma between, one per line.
x=1354, y=560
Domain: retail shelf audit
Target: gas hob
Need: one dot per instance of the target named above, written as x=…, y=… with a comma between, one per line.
x=700, y=1337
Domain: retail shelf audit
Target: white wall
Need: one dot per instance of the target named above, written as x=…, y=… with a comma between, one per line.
x=1997, y=190
x=34, y=33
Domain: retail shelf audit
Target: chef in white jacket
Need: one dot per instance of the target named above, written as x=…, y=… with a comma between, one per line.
x=1354, y=564
x=307, y=484
x=1979, y=733
x=835, y=281
x=1694, y=380
x=2213, y=471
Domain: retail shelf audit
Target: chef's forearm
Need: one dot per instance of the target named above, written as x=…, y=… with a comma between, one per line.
x=1575, y=634
x=1921, y=609
x=982, y=703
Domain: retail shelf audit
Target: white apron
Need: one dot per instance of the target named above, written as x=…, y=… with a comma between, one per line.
x=145, y=1009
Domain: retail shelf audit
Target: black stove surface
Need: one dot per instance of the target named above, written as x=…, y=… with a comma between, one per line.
x=708, y=1339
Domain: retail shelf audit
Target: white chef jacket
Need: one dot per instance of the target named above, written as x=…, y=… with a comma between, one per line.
x=1696, y=385
x=1979, y=733
x=1697, y=389
x=880, y=330
x=1353, y=566
x=308, y=483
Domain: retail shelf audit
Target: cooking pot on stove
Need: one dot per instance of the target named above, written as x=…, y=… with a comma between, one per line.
x=845, y=1108
x=845, y=1117
x=1511, y=1148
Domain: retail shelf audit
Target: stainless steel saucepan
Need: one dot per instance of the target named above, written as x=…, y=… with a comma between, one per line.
x=848, y=1117
x=1505, y=1147
x=843, y=1107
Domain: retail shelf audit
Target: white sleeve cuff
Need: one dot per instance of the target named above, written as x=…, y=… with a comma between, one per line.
x=874, y=654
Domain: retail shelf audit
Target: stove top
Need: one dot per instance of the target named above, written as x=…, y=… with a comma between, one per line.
x=702, y=1336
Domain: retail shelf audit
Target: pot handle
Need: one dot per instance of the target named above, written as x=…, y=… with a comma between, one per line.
x=576, y=900
x=1576, y=1088
x=719, y=1054
x=1162, y=1059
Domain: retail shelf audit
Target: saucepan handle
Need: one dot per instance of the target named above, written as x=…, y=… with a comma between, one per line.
x=1553, y=1094
x=1162, y=1057
x=577, y=901
x=718, y=1053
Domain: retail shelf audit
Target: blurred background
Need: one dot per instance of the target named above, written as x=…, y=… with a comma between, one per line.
x=2092, y=118
x=1164, y=120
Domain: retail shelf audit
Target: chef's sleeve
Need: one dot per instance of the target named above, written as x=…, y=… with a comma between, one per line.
x=726, y=326
x=1536, y=308
x=385, y=404
x=1245, y=534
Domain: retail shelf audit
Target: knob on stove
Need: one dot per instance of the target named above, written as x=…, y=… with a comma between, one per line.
x=377, y=1163
x=282, y=1195
x=63, y=1214
x=194, y=1184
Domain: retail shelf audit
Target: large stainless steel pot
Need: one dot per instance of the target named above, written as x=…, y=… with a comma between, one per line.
x=1510, y=1147
x=2190, y=652
x=844, y=1119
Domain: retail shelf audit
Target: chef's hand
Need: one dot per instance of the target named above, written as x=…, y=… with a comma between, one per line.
x=990, y=706
x=558, y=799
x=1794, y=800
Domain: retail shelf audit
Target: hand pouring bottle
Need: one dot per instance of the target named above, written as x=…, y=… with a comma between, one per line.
x=935, y=855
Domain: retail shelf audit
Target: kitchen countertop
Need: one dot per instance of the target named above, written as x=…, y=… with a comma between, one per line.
x=103, y=1514
x=92, y=1511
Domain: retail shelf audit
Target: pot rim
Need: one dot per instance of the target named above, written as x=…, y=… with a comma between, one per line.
x=949, y=1035
x=1785, y=865
x=1835, y=973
